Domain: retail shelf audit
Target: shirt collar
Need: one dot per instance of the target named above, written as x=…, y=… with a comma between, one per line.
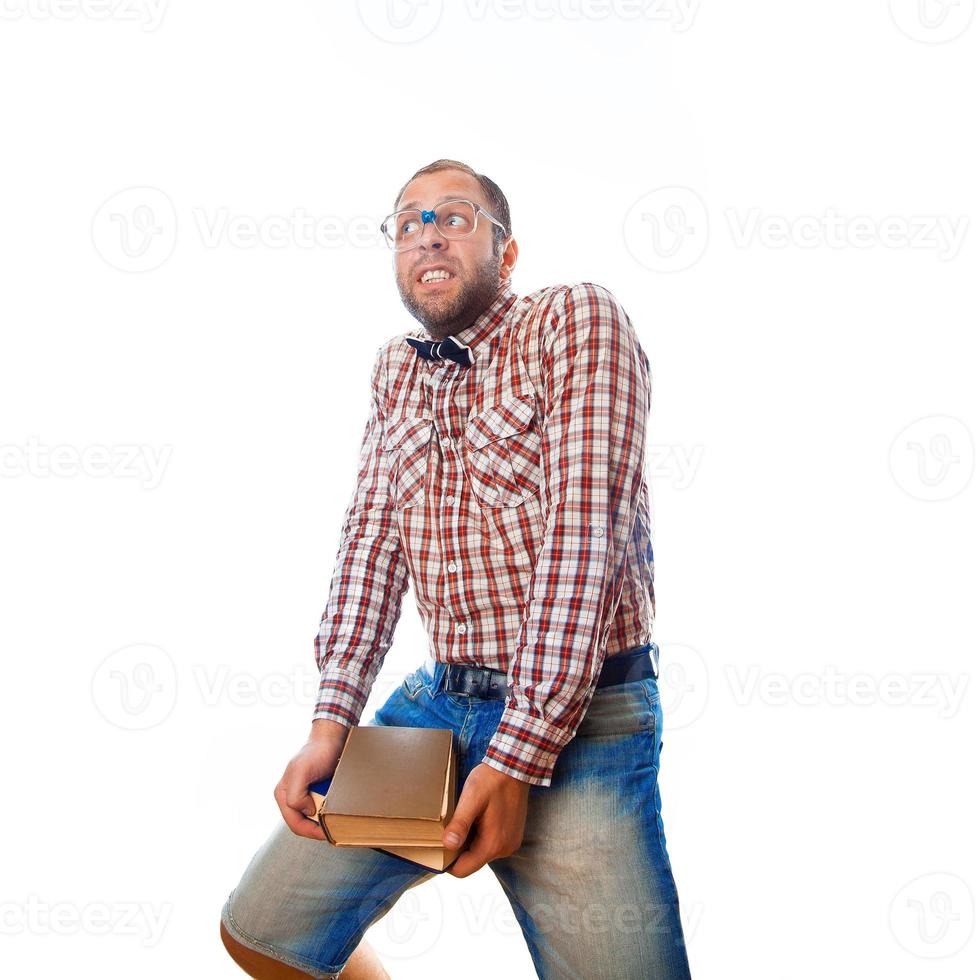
x=483, y=327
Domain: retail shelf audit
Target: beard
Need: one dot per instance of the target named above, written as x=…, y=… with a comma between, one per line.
x=443, y=316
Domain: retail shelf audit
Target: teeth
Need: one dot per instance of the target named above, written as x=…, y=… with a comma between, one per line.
x=433, y=274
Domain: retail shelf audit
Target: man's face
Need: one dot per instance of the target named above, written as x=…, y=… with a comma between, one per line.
x=447, y=305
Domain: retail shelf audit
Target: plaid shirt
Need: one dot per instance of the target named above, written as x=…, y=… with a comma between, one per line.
x=512, y=493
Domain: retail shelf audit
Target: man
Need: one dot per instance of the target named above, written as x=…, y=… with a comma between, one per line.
x=502, y=473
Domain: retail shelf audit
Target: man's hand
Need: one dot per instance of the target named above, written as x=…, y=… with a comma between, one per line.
x=315, y=760
x=497, y=804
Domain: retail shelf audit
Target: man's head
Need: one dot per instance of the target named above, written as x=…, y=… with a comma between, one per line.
x=479, y=265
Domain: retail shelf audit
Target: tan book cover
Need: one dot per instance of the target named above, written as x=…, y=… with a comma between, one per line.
x=393, y=789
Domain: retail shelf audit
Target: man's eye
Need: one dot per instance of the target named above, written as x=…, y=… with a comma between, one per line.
x=407, y=227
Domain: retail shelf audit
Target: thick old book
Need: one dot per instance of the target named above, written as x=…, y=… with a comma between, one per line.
x=393, y=789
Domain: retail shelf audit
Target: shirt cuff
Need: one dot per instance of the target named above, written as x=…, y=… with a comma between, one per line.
x=526, y=748
x=341, y=697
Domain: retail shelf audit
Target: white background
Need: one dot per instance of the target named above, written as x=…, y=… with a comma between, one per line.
x=783, y=198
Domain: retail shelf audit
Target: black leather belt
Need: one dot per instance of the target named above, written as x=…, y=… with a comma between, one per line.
x=485, y=682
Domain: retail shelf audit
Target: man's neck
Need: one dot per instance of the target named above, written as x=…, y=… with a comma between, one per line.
x=442, y=331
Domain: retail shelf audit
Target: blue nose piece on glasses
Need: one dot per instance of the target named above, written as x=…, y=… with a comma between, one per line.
x=428, y=216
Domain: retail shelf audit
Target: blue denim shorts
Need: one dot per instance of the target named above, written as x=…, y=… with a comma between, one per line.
x=591, y=885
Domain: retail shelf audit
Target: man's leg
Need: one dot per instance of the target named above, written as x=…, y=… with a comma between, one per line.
x=303, y=905
x=362, y=965
x=591, y=884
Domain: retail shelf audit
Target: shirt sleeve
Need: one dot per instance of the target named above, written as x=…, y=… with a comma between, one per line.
x=596, y=403
x=369, y=580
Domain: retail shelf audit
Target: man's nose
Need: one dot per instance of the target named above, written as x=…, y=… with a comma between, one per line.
x=435, y=239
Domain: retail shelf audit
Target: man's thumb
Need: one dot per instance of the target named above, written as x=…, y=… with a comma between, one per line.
x=458, y=827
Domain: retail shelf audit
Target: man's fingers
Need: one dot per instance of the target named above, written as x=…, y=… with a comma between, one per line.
x=470, y=860
x=466, y=812
x=300, y=825
x=293, y=804
x=301, y=803
x=303, y=827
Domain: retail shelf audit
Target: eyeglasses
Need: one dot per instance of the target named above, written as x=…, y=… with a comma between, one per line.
x=452, y=219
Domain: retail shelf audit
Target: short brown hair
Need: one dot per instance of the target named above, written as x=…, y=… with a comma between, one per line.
x=499, y=207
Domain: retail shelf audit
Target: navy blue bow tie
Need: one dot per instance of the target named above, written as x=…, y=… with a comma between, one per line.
x=449, y=349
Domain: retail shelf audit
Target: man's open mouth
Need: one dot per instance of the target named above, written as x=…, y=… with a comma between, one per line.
x=436, y=275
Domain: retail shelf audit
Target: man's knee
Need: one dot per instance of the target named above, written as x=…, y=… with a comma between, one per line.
x=256, y=964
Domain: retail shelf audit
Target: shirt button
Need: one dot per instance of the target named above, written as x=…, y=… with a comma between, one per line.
x=452, y=566
x=597, y=531
x=461, y=627
x=450, y=499
x=447, y=441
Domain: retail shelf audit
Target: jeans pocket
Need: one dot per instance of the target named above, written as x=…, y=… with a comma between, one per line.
x=653, y=696
x=414, y=683
x=619, y=709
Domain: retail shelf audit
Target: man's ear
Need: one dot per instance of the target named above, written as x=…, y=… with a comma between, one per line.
x=508, y=258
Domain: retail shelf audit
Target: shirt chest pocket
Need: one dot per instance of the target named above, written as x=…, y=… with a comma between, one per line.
x=503, y=453
x=406, y=450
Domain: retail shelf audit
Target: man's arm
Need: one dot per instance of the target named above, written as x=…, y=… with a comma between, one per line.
x=597, y=399
x=370, y=577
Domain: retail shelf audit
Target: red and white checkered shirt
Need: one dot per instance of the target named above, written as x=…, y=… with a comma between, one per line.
x=512, y=492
